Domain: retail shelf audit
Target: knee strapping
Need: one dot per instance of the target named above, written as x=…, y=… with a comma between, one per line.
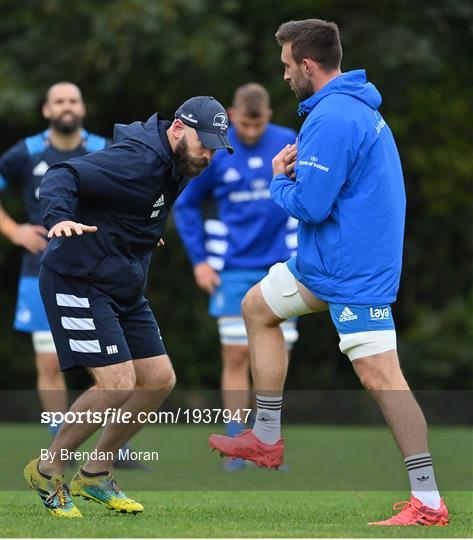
x=232, y=331
x=360, y=344
x=280, y=292
x=43, y=342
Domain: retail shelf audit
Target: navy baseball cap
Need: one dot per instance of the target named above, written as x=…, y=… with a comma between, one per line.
x=209, y=118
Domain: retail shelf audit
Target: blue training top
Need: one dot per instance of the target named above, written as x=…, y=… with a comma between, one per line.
x=348, y=196
x=25, y=163
x=246, y=230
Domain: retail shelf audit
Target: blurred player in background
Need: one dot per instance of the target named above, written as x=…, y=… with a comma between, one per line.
x=23, y=166
x=244, y=234
x=349, y=198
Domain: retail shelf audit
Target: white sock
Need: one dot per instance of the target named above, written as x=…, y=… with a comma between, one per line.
x=421, y=475
x=268, y=418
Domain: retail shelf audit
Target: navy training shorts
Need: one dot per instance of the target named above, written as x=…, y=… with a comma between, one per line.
x=91, y=329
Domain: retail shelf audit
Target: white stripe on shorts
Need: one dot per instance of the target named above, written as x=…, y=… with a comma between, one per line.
x=77, y=323
x=69, y=300
x=85, y=345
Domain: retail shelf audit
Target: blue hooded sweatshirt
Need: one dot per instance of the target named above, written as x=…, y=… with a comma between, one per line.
x=348, y=196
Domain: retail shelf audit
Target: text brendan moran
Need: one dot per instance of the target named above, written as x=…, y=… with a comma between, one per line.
x=95, y=455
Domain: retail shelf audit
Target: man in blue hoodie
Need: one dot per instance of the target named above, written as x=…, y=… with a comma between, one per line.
x=348, y=196
x=105, y=213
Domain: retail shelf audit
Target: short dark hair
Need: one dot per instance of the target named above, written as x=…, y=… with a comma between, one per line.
x=253, y=98
x=48, y=91
x=315, y=39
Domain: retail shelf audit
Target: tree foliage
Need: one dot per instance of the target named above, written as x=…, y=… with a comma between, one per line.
x=134, y=57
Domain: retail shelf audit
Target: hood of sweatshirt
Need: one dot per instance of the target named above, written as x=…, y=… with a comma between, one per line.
x=352, y=83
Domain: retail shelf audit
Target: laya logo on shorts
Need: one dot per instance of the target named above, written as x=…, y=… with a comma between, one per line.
x=379, y=314
x=347, y=315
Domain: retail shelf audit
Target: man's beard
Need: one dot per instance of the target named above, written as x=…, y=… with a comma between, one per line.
x=188, y=165
x=302, y=88
x=66, y=127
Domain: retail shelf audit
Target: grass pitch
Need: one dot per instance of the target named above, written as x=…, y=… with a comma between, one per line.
x=186, y=494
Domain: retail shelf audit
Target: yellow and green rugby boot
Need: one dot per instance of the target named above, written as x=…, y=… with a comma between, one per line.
x=104, y=490
x=54, y=492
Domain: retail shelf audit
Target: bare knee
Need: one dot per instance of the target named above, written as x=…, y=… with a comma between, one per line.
x=115, y=377
x=167, y=380
x=380, y=372
x=249, y=305
x=47, y=365
x=155, y=373
x=236, y=357
x=255, y=310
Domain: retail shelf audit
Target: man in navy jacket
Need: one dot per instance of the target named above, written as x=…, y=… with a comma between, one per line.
x=348, y=196
x=105, y=213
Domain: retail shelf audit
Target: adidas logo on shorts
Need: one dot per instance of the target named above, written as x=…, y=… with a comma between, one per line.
x=347, y=315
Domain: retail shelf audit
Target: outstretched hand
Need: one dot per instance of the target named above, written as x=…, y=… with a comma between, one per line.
x=70, y=228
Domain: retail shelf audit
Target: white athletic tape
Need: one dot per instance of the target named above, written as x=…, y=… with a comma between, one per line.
x=291, y=335
x=232, y=331
x=362, y=344
x=43, y=342
x=280, y=292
